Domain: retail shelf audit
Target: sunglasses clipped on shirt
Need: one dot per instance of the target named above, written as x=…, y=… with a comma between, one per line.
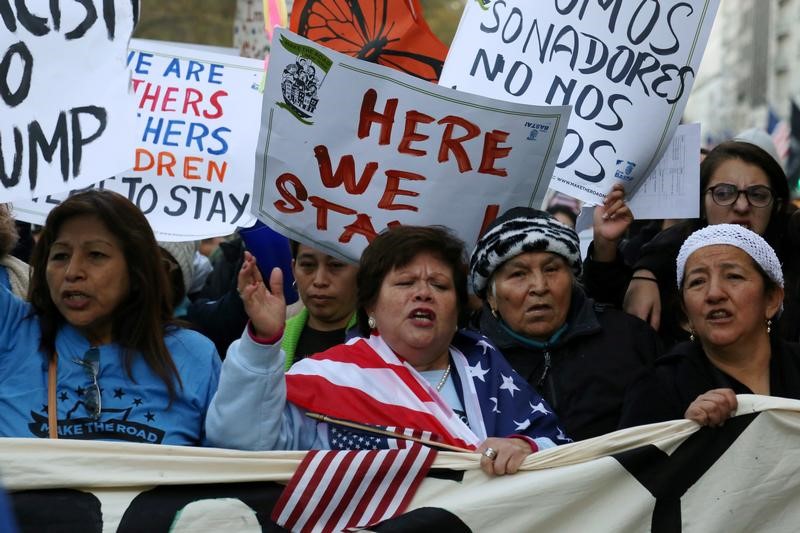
x=726, y=194
x=91, y=365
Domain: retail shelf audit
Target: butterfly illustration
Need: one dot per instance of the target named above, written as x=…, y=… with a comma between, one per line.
x=392, y=33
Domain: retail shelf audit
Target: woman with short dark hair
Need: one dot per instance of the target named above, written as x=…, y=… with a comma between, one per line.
x=96, y=354
x=414, y=369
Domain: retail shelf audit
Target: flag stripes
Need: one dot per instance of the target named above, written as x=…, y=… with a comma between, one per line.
x=337, y=490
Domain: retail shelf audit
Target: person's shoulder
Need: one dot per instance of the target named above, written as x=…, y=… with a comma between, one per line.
x=182, y=342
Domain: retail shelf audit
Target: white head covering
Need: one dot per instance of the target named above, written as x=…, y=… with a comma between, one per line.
x=733, y=235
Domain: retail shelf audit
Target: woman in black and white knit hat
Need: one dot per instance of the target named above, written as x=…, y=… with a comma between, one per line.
x=578, y=355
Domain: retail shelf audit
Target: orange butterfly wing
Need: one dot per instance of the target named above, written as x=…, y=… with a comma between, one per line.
x=389, y=32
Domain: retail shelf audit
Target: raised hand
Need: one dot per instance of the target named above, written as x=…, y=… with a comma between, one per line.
x=611, y=220
x=265, y=307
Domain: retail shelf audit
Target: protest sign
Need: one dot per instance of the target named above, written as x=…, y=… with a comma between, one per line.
x=349, y=148
x=626, y=67
x=192, y=167
x=672, y=476
x=67, y=118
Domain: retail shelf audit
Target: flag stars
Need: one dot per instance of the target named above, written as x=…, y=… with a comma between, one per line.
x=539, y=408
x=494, y=407
x=522, y=426
x=508, y=384
x=486, y=345
x=477, y=371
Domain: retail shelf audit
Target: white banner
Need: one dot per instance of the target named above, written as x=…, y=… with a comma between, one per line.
x=348, y=148
x=66, y=117
x=193, y=163
x=626, y=67
x=673, y=476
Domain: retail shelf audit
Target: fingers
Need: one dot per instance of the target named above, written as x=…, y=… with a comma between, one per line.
x=713, y=408
x=276, y=283
x=510, y=453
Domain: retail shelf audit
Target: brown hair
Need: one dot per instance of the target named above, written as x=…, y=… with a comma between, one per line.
x=397, y=247
x=8, y=231
x=753, y=155
x=141, y=320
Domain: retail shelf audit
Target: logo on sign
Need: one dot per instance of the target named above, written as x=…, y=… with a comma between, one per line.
x=302, y=80
x=534, y=129
x=624, y=170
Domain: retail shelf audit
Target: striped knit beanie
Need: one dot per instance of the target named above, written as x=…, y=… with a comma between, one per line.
x=520, y=230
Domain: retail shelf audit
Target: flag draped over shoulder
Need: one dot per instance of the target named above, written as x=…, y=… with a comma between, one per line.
x=365, y=382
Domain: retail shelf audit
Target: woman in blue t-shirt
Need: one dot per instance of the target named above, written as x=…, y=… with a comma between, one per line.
x=96, y=354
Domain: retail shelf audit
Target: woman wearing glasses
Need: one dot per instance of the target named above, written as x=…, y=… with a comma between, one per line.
x=740, y=184
x=96, y=355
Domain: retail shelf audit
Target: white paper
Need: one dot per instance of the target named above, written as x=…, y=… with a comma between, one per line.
x=626, y=67
x=191, y=171
x=407, y=168
x=673, y=189
x=67, y=118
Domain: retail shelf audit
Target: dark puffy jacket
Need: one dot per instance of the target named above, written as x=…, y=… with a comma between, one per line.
x=685, y=373
x=584, y=374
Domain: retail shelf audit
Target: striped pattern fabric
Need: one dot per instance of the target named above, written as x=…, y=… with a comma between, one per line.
x=340, y=490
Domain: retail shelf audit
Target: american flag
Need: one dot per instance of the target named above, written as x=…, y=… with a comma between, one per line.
x=781, y=134
x=338, y=490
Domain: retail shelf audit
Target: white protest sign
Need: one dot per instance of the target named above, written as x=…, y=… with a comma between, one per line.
x=192, y=168
x=66, y=118
x=349, y=148
x=627, y=67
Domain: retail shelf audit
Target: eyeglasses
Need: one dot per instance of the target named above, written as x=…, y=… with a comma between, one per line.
x=725, y=194
x=91, y=364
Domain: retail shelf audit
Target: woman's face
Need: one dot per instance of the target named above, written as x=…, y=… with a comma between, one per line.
x=724, y=296
x=532, y=293
x=87, y=275
x=742, y=175
x=417, y=313
x=327, y=286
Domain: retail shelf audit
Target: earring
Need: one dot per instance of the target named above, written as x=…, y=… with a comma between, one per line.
x=371, y=323
x=494, y=312
x=691, y=334
x=294, y=284
x=769, y=326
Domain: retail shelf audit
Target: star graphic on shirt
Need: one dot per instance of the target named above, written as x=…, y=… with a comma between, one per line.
x=137, y=401
x=44, y=408
x=477, y=371
x=80, y=391
x=64, y=397
x=539, y=408
x=522, y=426
x=494, y=407
x=483, y=343
x=508, y=384
x=118, y=394
x=150, y=416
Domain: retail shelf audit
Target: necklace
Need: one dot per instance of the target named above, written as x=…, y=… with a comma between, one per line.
x=444, y=378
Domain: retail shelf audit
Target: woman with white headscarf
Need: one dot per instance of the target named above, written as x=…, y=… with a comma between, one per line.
x=731, y=287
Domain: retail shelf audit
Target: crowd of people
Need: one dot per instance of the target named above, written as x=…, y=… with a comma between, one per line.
x=107, y=324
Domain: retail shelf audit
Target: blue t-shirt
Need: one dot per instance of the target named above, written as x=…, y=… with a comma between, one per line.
x=133, y=410
x=5, y=281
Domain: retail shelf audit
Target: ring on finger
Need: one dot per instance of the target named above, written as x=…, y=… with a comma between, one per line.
x=491, y=453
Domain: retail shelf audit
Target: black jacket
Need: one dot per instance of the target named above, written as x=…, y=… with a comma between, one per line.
x=583, y=376
x=685, y=373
